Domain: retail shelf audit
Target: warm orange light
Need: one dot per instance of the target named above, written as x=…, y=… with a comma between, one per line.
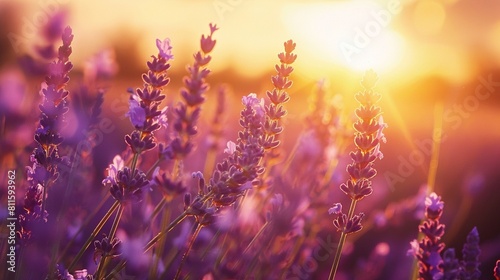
x=429, y=17
x=351, y=34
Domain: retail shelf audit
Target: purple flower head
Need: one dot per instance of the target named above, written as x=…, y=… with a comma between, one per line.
x=128, y=185
x=164, y=48
x=207, y=44
x=169, y=188
x=470, y=256
x=231, y=148
x=163, y=117
x=113, y=169
x=136, y=113
x=106, y=248
x=336, y=209
x=434, y=206
x=451, y=267
x=252, y=101
x=81, y=274
x=414, y=248
x=347, y=226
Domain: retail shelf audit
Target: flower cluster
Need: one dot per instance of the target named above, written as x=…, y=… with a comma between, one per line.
x=45, y=157
x=237, y=172
x=278, y=96
x=368, y=137
x=470, y=256
x=126, y=183
x=260, y=127
x=428, y=250
x=188, y=111
x=144, y=112
x=106, y=248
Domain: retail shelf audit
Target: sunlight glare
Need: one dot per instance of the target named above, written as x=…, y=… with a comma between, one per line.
x=329, y=32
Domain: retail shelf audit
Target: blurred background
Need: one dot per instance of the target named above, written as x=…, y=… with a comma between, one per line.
x=438, y=64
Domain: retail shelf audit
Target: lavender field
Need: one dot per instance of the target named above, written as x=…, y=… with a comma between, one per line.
x=238, y=139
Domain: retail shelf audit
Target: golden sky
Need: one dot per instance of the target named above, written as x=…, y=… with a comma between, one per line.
x=407, y=39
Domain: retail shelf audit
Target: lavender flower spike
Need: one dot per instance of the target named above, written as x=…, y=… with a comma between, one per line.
x=144, y=112
x=368, y=136
x=470, y=256
x=188, y=111
x=429, y=249
x=45, y=157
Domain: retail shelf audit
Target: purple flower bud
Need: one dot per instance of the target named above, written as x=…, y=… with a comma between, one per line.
x=164, y=48
x=336, y=209
x=434, y=206
x=136, y=113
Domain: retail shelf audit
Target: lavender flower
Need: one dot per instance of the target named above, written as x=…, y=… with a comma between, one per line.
x=368, y=136
x=188, y=111
x=106, y=248
x=470, y=256
x=243, y=165
x=45, y=157
x=126, y=183
x=278, y=96
x=429, y=249
x=451, y=266
x=170, y=188
x=144, y=112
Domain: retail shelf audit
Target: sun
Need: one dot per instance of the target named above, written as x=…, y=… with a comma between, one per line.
x=357, y=35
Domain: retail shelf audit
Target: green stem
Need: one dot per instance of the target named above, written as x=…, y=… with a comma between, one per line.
x=343, y=237
x=90, y=217
x=161, y=246
x=134, y=162
x=173, y=224
x=155, y=239
x=157, y=209
x=152, y=168
x=119, y=267
x=94, y=233
x=433, y=165
x=104, y=260
x=257, y=235
x=190, y=246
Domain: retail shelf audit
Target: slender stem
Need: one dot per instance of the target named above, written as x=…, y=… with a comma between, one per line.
x=104, y=260
x=114, y=227
x=257, y=235
x=155, y=239
x=134, y=162
x=433, y=165
x=119, y=267
x=96, y=209
x=94, y=233
x=291, y=155
x=437, y=133
x=343, y=237
x=174, y=223
x=190, y=245
x=157, y=209
x=161, y=246
x=152, y=168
